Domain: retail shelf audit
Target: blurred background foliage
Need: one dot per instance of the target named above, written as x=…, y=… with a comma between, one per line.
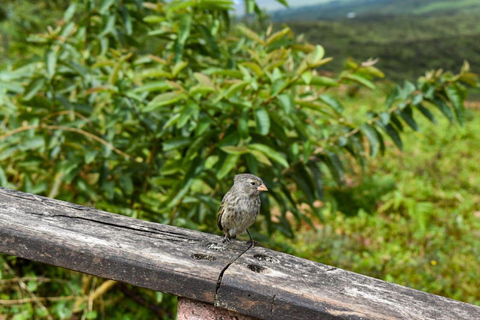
x=149, y=109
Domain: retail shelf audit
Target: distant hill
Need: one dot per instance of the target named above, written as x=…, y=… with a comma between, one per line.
x=342, y=9
x=408, y=36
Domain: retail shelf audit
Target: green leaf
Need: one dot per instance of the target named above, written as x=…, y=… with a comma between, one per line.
x=284, y=2
x=236, y=88
x=252, y=163
x=270, y=153
x=384, y=118
x=286, y=102
x=417, y=99
x=250, y=34
x=153, y=19
x=3, y=180
x=426, y=113
x=33, y=88
x=361, y=80
x=406, y=115
x=91, y=315
x=198, y=144
x=32, y=143
x=332, y=103
x=224, y=72
x=263, y=121
x=243, y=124
x=164, y=99
x=127, y=20
x=51, y=62
x=203, y=80
x=396, y=122
x=211, y=40
x=187, y=112
x=456, y=97
x=196, y=167
x=227, y=166
x=249, y=6
x=443, y=107
x=179, y=66
x=320, y=63
x=68, y=14
x=215, y=4
x=182, y=36
x=390, y=130
x=304, y=180
x=469, y=78
x=176, y=143
x=260, y=157
x=307, y=77
x=106, y=4
x=126, y=184
x=335, y=166
x=202, y=90
x=254, y=67
x=154, y=86
x=316, y=55
x=235, y=149
x=319, y=81
x=313, y=106
x=278, y=35
x=372, y=137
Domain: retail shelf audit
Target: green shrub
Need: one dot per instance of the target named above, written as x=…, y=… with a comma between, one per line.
x=148, y=110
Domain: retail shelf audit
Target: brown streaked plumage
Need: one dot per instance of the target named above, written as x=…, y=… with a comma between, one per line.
x=240, y=206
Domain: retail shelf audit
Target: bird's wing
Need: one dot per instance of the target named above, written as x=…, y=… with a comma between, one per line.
x=221, y=210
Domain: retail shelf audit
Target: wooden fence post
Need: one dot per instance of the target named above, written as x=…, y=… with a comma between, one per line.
x=189, y=309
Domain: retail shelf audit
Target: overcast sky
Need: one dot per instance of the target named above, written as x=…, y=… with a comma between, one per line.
x=274, y=5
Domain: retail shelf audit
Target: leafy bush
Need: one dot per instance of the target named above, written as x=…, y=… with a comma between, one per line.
x=153, y=120
x=149, y=109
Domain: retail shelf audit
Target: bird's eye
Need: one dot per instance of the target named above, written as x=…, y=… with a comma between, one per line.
x=252, y=183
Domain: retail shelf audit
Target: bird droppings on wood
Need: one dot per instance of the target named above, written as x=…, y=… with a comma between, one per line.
x=217, y=247
x=256, y=268
x=199, y=256
x=262, y=257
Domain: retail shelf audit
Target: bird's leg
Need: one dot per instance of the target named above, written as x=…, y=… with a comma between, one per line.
x=251, y=238
x=226, y=238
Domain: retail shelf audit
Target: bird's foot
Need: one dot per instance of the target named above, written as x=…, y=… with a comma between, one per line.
x=226, y=239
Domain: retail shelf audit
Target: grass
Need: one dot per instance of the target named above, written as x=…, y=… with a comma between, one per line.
x=413, y=218
x=446, y=5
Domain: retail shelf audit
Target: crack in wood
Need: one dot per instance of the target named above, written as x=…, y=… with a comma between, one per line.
x=220, y=276
x=272, y=304
x=153, y=231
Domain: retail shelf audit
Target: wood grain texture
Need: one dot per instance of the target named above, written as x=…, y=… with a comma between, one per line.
x=273, y=285
x=150, y=255
x=257, y=282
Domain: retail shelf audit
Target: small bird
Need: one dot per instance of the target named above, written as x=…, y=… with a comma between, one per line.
x=240, y=206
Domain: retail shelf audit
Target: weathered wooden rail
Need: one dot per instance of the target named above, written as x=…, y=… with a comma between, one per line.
x=257, y=282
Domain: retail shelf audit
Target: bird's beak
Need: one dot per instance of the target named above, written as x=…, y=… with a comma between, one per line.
x=262, y=187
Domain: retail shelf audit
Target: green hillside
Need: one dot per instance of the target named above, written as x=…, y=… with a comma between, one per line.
x=340, y=8
x=407, y=45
